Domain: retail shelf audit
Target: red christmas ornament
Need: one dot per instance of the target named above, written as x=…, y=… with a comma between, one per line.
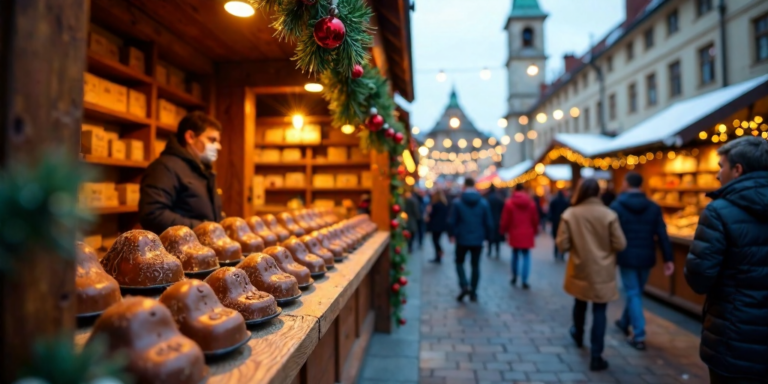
x=396, y=208
x=394, y=223
x=403, y=301
x=357, y=71
x=330, y=31
x=389, y=133
x=399, y=138
x=375, y=122
x=397, y=250
x=407, y=234
x=403, y=281
x=395, y=287
x=401, y=171
x=401, y=321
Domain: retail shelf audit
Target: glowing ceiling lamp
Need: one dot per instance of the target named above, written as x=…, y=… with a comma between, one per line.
x=298, y=121
x=240, y=8
x=313, y=87
x=347, y=129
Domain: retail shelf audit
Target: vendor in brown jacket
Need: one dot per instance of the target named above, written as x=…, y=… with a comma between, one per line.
x=590, y=231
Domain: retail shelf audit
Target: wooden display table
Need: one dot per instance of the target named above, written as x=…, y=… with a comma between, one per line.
x=674, y=289
x=322, y=337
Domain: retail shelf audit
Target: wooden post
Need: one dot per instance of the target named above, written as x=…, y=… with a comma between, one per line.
x=380, y=195
x=42, y=46
x=381, y=291
x=236, y=110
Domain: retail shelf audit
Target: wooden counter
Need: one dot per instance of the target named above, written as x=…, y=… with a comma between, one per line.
x=674, y=289
x=319, y=338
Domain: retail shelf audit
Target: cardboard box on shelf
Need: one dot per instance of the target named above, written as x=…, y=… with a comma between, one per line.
x=112, y=135
x=91, y=88
x=311, y=134
x=344, y=180
x=94, y=241
x=161, y=74
x=295, y=179
x=292, y=136
x=134, y=59
x=291, y=154
x=337, y=154
x=94, y=142
x=195, y=90
x=166, y=111
x=137, y=103
x=323, y=181
x=366, y=179
x=258, y=195
x=323, y=203
x=101, y=46
x=134, y=149
x=160, y=146
x=176, y=79
x=270, y=155
x=355, y=153
x=111, y=198
x=91, y=195
x=117, y=149
x=128, y=193
x=273, y=135
x=274, y=181
x=113, y=96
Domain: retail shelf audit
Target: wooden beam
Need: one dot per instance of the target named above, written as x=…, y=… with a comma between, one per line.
x=272, y=73
x=43, y=55
x=236, y=110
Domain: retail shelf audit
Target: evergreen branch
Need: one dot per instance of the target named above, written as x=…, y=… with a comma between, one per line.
x=291, y=19
x=269, y=5
x=356, y=15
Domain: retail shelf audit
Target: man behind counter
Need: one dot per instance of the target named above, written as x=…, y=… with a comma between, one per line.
x=179, y=187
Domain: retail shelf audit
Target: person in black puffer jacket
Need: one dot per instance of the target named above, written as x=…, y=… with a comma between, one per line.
x=728, y=261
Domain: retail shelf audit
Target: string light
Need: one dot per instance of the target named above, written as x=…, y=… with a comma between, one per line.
x=441, y=76
x=736, y=123
x=347, y=129
x=462, y=143
x=541, y=117
x=485, y=74
x=298, y=121
x=575, y=112
x=744, y=124
x=557, y=114
x=429, y=143
x=523, y=120
x=447, y=143
x=477, y=143
x=492, y=141
x=519, y=137
x=739, y=131
x=722, y=127
x=313, y=87
x=415, y=130
x=505, y=139
x=532, y=135
x=423, y=151
x=539, y=168
x=454, y=122
x=502, y=123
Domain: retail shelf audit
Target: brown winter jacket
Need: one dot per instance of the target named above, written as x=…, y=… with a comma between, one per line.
x=592, y=234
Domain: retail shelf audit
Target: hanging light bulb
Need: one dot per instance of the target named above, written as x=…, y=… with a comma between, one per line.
x=423, y=151
x=313, y=87
x=506, y=139
x=502, y=123
x=575, y=112
x=239, y=8
x=532, y=70
x=415, y=130
x=485, y=74
x=298, y=121
x=541, y=117
x=447, y=143
x=532, y=135
x=347, y=129
x=523, y=120
x=477, y=143
x=519, y=137
x=557, y=114
x=492, y=141
x=462, y=143
x=441, y=76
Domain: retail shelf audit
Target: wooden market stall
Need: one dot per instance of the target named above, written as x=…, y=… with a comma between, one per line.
x=143, y=64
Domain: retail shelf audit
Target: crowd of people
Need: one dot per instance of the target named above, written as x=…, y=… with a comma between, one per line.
x=601, y=233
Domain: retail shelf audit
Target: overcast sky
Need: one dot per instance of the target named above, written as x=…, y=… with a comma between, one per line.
x=462, y=37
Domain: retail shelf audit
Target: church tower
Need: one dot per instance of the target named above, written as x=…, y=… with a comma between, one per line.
x=525, y=65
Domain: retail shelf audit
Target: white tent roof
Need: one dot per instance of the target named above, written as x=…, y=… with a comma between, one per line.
x=662, y=127
x=559, y=172
x=509, y=173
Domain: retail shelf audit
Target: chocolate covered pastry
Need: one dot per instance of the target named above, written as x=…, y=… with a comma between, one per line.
x=180, y=241
x=201, y=317
x=138, y=259
x=286, y=263
x=212, y=235
x=95, y=289
x=313, y=246
x=324, y=239
x=143, y=329
x=260, y=229
x=302, y=256
x=238, y=230
x=334, y=238
x=286, y=220
x=301, y=220
x=271, y=222
x=235, y=291
x=266, y=276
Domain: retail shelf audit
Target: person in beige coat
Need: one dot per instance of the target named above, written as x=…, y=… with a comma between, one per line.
x=591, y=232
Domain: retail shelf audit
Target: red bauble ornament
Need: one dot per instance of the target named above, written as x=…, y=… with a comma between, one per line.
x=357, y=71
x=402, y=321
x=389, y=133
x=394, y=223
x=399, y=138
x=397, y=250
x=401, y=171
x=407, y=234
x=403, y=301
x=403, y=281
x=375, y=122
x=396, y=208
x=329, y=32
x=395, y=287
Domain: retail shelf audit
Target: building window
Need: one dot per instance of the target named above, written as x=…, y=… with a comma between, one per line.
x=575, y=87
x=761, y=38
x=609, y=63
x=600, y=114
x=707, y=64
x=703, y=6
x=630, y=51
x=527, y=37
x=632, y=98
x=675, y=80
x=649, y=38
x=586, y=119
x=672, y=22
x=585, y=78
x=650, y=85
x=612, y=107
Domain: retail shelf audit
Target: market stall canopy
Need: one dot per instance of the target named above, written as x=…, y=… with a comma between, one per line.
x=488, y=178
x=558, y=172
x=513, y=172
x=675, y=125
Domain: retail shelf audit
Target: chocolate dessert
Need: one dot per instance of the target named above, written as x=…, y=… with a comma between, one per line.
x=201, y=317
x=324, y=239
x=266, y=276
x=95, y=289
x=234, y=289
x=333, y=237
x=212, y=235
x=301, y=220
x=271, y=222
x=181, y=242
x=315, y=217
x=302, y=256
x=157, y=352
x=138, y=259
x=285, y=262
x=313, y=246
x=260, y=229
x=286, y=220
x=238, y=230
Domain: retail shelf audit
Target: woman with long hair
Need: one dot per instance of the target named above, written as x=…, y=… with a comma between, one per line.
x=437, y=221
x=591, y=232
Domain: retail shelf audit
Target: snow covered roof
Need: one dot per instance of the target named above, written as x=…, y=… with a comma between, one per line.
x=663, y=127
x=559, y=172
x=510, y=173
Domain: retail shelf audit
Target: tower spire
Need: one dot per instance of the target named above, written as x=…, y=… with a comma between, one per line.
x=454, y=100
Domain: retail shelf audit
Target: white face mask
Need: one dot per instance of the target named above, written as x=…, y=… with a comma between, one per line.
x=211, y=153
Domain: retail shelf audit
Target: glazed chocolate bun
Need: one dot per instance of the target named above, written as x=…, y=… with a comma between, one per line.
x=157, y=352
x=266, y=276
x=201, y=317
x=138, y=259
x=301, y=220
x=260, y=229
x=314, y=247
x=281, y=233
x=286, y=263
x=235, y=291
x=212, y=235
x=336, y=248
x=181, y=242
x=238, y=230
x=95, y=289
x=286, y=220
x=302, y=256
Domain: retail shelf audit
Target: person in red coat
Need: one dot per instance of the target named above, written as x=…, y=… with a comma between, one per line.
x=520, y=221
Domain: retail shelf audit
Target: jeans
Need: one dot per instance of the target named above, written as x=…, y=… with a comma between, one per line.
x=597, y=339
x=526, y=256
x=461, y=255
x=436, y=235
x=633, y=280
x=716, y=378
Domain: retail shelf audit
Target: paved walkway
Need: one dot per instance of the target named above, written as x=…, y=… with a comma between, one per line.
x=516, y=336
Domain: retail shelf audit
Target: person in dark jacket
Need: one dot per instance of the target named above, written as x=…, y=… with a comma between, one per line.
x=438, y=222
x=728, y=261
x=496, y=204
x=608, y=195
x=179, y=187
x=469, y=225
x=644, y=227
x=557, y=206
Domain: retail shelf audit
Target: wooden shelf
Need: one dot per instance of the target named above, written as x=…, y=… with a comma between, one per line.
x=342, y=189
x=270, y=209
x=321, y=163
x=99, y=112
x=285, y=189
x=115, y=71
x=301, y=163
x=324, y=143
x=685, y=189
x=178, y=97
x=115, y=210
x=165, y=127
x=114, y=162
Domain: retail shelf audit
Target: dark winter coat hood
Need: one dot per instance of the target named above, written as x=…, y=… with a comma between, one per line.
x=635, y=202
x=643, y=224
x=749, y=192
x=471, y=197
